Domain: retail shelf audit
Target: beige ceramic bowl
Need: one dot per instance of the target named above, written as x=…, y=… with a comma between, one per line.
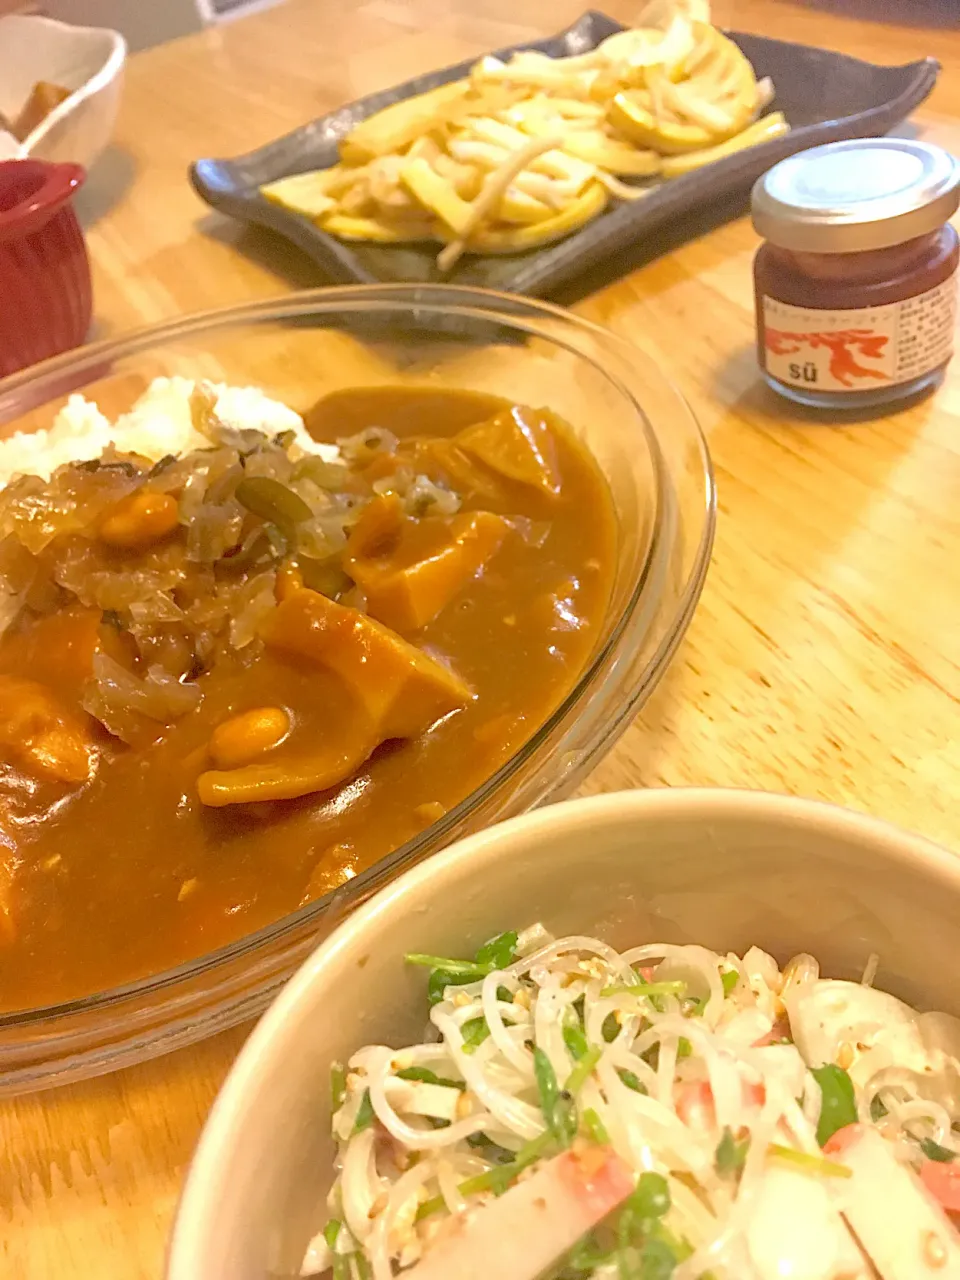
x=86, y=60
x=723, y=868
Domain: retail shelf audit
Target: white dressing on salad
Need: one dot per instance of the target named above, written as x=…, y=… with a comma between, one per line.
x=829, y=1018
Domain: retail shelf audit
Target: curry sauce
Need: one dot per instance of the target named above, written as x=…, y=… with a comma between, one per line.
x=175, y=775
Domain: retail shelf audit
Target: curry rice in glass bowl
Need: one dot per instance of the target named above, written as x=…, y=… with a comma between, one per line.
x=426, y=341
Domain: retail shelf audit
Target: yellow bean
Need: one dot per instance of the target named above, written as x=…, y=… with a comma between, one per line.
x=139, y=520
x=430, y=812
x=245, y=736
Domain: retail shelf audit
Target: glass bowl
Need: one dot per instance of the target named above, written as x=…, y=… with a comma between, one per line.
x=298, y=348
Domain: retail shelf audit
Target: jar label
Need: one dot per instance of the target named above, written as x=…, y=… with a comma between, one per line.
x=862, y=348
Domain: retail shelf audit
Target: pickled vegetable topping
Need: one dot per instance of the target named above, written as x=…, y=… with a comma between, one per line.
x=190, y=556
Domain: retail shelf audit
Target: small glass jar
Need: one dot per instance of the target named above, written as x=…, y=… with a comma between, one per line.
x=856, y=283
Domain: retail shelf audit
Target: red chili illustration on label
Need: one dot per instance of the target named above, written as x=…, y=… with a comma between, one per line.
x=843, y=345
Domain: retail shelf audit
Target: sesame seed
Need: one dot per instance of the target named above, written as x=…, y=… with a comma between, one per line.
x=934, y=1250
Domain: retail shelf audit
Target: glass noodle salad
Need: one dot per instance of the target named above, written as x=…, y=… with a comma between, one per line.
x=661, y=1113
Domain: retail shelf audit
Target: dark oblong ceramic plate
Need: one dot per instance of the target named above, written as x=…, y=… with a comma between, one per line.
x=825, y=97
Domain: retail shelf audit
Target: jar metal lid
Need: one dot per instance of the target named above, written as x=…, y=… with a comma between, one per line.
x=845, y=197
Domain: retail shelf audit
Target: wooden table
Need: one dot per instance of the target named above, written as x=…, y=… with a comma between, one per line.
x=824, y=659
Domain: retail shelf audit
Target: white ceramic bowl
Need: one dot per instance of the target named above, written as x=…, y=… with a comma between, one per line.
x=87, y=60
x=723, y=868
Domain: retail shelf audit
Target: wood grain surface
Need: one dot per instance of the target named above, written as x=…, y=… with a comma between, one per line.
x=824, y=659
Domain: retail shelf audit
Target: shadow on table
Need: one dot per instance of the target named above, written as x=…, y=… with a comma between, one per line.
x=108, y=181
x=267, y=249
x=902, y=13
x=655, y=244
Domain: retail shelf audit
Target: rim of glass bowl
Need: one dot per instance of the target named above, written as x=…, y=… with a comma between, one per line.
x=79, y=1050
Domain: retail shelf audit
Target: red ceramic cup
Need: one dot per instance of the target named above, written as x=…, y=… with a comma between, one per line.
x=45, y=294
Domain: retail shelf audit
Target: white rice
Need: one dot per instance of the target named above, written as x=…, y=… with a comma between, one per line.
x=159, y=424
